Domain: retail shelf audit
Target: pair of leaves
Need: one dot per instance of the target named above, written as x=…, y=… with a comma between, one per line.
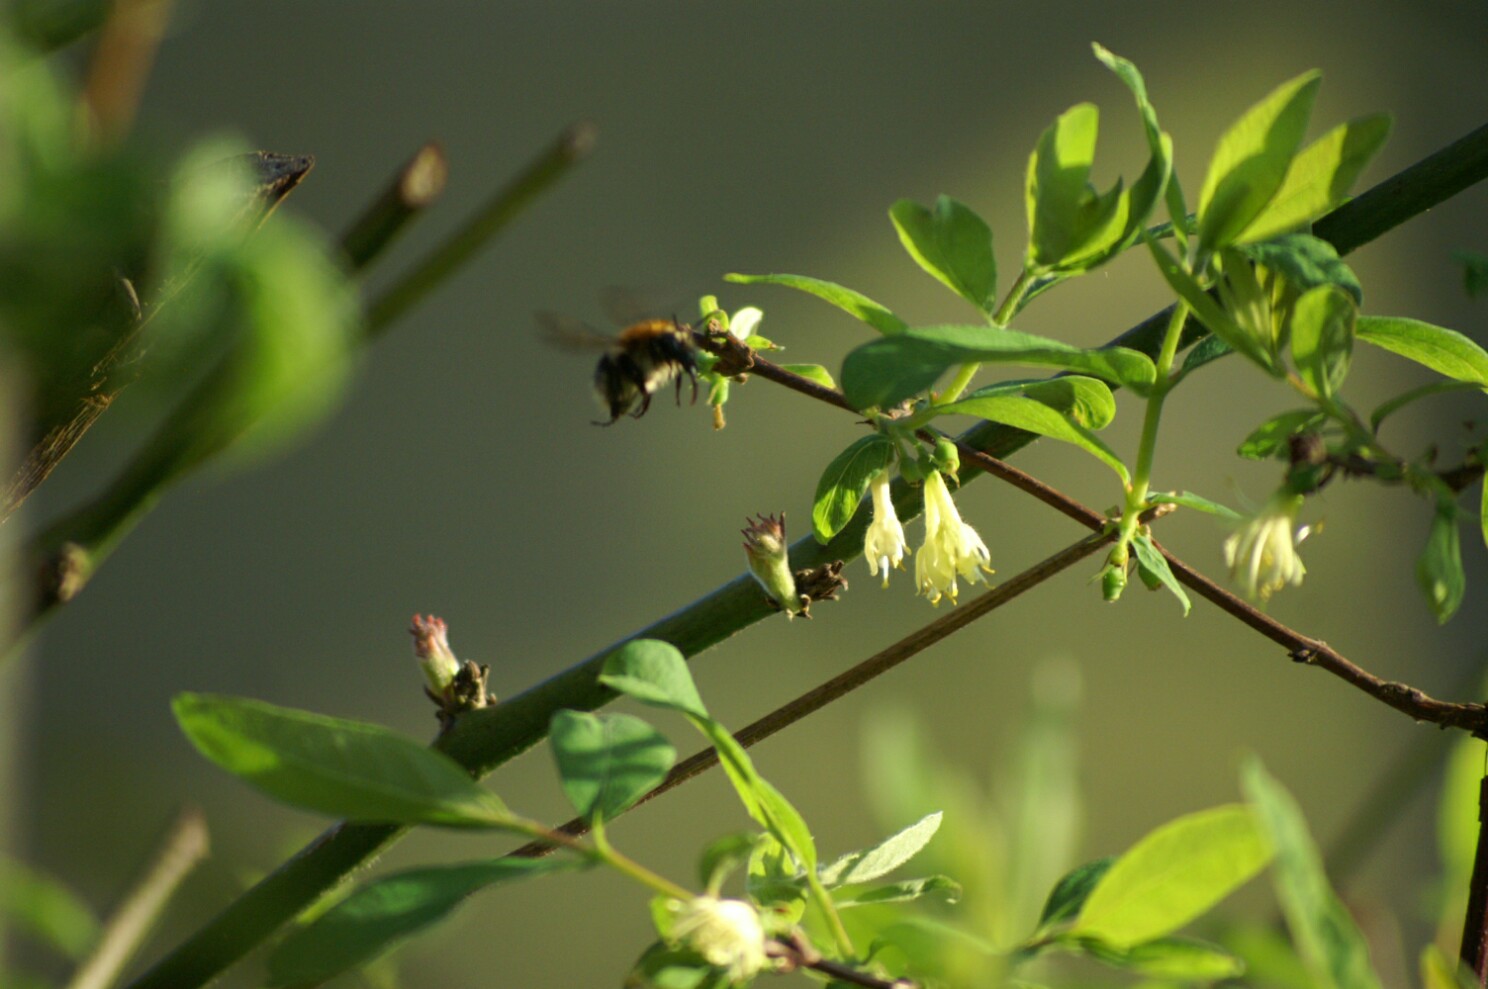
x=1258, y=186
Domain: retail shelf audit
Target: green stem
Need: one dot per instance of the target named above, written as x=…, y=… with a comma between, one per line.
x=605, y=854
x=823, y=901
x=1136, y=494
x=967, y=371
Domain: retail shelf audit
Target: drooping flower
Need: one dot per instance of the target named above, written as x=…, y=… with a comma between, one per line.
x=952, y=548
x=727, y=933
x=884, y=545
x=743, y=323
x=1262, y=555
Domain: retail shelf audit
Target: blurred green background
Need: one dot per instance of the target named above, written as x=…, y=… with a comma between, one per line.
x=463, y=478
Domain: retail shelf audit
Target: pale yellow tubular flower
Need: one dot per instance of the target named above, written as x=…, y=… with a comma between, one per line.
x=952, y=548
x=727, y=933
x=884, y=545
x=745, y=322
x=1262, y=556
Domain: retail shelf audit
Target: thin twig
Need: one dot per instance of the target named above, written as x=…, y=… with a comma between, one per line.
x=570, y=148
x=486, y=739
x=796, y=952
x=874, y=666
x=184, y=845
x=414, y=189
x=121, y=63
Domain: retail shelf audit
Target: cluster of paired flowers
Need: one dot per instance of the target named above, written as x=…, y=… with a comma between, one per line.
x=952, y=549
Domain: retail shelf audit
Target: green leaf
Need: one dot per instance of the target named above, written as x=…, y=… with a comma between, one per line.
x=1440, y=972
x=1172, y=959
x=653, y=672
x=46, y=910
x=1394, y=405
x=885, y=372
x=953, y=245
x=1132, y=79
x=1206, y=351
x=1320, y=177
x=812, y=372
x=383, y=913
x=1457, y=823
x=1069, y=894
x=722, y=856
x=764, y=803
x=1156, y=566
x=854, y=303
x=1305, y=262
x=350, y=769
x=1322, y=334
x=843, y=483
x=1036, y=417
x=1330, y=944
x=1068, y=222
x=1208, y=311
x=1270, y=437
x=899, y=892
x=884, y=857
x=775, y=882
x=1445, y=351
x=1439, y=570
x=607, y=761
x=1187, y=499
x=1087, y=401
x=1251, y=161
x=1173, y=876
x=664, y=966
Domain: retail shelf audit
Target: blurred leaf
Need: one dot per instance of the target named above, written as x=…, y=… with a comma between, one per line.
x=653, y=672
x=775, y=882
x=1187, y=499
x=1156, y=565
x=1171, y=958
x=45, y=909
x=1440, y=972
x=1251, y=161
x=1445, y=351
x=884, y=857
x=663, y=966
x=760, y=798
x=1329, y=942
x=350, y=769
x=1322, y=334
x=843, y=483
x=1269, y=957
x=953, y=245
x=1305, y=262
x=49, y=24
x=724, y=855
x=1036, y=417
x=1270, y=437
x=1320, y=177
x=853, y=303
x=1457, y=821
x=1069, y=894
x=812, y=372
x=1173, y=875
x=1439, y=570
x=1474, y=272
x=383, y=913
x=885, y=372
x=607, y=761
x=898, y=892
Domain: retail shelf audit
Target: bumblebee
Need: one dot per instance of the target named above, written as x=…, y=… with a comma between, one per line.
x=640, y=361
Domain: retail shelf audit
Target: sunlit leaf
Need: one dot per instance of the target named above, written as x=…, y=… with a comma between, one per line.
x=886, y=856
x=1036, y=417
x=1156, y=565
x=1445, y=351
x=853, y=303
x=953, y=245
x=843, y=483
x=607, y=762
x=1319, y=177
x=653, y=672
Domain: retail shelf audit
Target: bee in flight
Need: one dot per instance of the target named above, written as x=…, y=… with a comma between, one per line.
x=640, y=361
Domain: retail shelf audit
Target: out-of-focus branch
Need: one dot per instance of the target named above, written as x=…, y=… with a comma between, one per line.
x=414, y=189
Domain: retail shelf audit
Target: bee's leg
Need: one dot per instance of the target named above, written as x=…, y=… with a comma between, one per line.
x=694, y=388
x=645, y=404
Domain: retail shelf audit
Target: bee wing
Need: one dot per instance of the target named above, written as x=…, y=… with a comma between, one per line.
x=625, y=306
x=568, y=333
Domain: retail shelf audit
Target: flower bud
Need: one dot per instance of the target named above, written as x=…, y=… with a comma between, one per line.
x=432, y=649
x=769, y=562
